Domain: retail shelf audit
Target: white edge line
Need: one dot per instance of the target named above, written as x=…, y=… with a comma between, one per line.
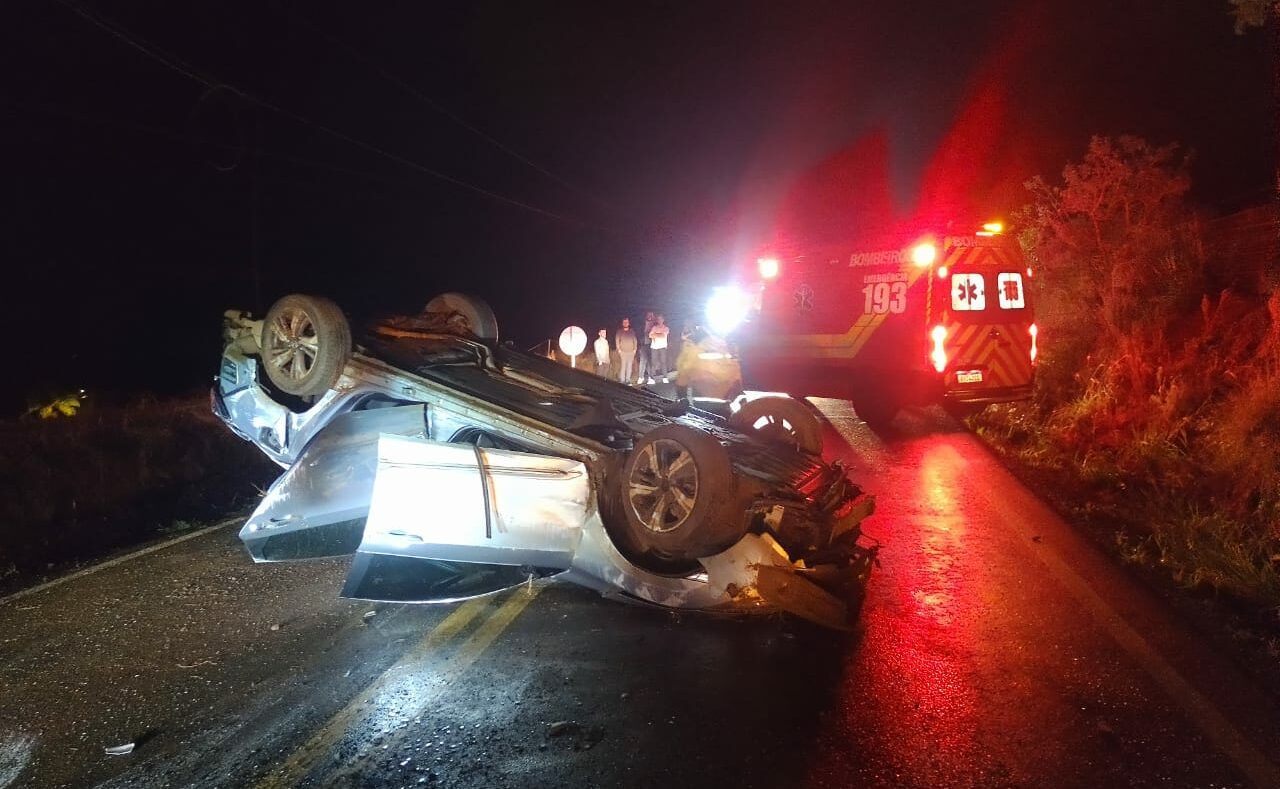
x=1199, y=708
x=118, y=560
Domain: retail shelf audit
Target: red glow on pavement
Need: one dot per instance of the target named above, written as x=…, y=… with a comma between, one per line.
x=913, y=669
x=941, y=533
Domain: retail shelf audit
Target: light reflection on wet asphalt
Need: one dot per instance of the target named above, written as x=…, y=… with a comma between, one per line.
x=978, y=661
x=974, y=653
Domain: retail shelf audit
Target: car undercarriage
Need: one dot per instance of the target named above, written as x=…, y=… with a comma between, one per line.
x=452, y=465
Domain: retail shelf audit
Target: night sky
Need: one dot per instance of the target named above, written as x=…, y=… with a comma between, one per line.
x=614, y=155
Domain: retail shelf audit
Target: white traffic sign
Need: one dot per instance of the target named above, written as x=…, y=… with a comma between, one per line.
x=573, y=341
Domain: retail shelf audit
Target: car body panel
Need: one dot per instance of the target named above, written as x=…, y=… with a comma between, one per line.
x=451, y=468
x=462, y=503
x=307, y=513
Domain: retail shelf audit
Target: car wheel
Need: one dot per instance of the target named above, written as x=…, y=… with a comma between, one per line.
x=677, y=495
x=781, y=420
x=876, y=409
x=306, y=342
x=468, y=313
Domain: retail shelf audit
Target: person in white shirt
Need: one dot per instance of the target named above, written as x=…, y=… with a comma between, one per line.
x=602, y=352
x=658, y=347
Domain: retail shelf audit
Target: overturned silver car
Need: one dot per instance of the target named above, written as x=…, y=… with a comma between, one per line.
x=454, y=466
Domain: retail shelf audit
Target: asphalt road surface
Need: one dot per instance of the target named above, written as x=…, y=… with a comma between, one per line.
x=996, y=648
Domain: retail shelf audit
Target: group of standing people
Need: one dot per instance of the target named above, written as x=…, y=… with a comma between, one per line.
x=649, y=346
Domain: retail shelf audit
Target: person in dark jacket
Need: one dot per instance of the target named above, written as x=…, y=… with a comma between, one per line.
x=624, y=339
x=645, y=356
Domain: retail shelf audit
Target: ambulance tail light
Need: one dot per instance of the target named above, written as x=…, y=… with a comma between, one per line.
x=1034, y=331
x=939, y=353
x=769, y=268
x=942, y=272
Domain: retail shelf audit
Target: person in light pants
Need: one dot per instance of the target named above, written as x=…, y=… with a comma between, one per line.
x=602, y=352
x=658, y=334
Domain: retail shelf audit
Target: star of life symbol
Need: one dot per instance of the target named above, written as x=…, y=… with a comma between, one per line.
x=968, y=292
x=803, y=298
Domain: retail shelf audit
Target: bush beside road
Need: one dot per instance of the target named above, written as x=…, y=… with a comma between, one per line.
x=1157, y=408
x=112, y=476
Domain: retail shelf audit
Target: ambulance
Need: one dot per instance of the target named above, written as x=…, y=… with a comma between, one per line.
x=942, y=318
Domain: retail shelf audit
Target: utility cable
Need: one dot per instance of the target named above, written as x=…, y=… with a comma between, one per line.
x=435, y=106
x=186, y=70
x=177, y=137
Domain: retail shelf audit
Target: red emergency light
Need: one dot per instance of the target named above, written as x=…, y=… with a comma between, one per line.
x=939, y=354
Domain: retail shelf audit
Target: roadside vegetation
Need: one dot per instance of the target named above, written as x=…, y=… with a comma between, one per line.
x=105, y=477
x=1158, y=387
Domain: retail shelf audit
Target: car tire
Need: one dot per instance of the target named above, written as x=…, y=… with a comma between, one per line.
x=781, y=420
x=677, y=497
x=306, y=341
x=470, y=314
x=877, y=409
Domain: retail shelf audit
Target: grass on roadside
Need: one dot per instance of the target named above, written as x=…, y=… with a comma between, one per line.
x=1207, y=519
x=110, y=476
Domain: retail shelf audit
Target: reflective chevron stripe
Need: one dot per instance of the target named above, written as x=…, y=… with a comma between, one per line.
x=1006, y=359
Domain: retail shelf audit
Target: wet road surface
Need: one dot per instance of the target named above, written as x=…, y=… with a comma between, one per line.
x=996, y=648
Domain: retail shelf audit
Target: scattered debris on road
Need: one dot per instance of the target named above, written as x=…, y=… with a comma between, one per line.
x=120, y=750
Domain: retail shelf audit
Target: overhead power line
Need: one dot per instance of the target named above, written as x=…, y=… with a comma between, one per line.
x=173, y=136
x=435, y=106
x=177, y=65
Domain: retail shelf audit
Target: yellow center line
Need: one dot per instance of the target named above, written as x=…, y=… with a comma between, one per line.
x=457, y=664
x=333, y=730
x=363, y=707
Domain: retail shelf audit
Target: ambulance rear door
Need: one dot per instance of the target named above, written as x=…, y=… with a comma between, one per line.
x=984, y=341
